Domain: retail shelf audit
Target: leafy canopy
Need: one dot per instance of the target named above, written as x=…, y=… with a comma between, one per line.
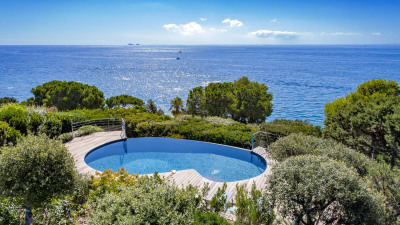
x=368, y=120
x=318, y=190
x=123, y=101
x=242, y=100
x=68, y=95
x=36, y=170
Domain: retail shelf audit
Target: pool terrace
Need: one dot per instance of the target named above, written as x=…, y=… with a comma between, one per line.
x=80, y=146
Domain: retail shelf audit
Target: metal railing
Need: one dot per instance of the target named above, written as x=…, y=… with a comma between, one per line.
x=108, y=124
x=267, y=139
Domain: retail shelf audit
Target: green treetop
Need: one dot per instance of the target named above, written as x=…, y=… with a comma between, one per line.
x=68, y=95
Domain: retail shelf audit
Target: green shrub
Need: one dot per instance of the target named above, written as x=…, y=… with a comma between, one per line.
x=8, y=135
x=253, y=207
x=208, y=218
x=285, y=127
x=300, y=144
x=35, y=171
x=310, y=188
x=88, y=129
x=150, y=200
x=65, y=137
x=16, y=116
x=52, y=126
x=35, y=121
x=9, y=213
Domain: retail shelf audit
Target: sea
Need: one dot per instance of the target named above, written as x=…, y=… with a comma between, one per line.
x=301, y=78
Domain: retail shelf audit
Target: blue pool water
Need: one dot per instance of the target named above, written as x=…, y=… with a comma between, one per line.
x=149, y=155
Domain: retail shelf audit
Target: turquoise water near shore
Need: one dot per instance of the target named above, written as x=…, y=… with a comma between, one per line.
x=301, y=78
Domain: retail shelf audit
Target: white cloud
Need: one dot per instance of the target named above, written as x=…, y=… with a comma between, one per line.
x=273, y=20
x=275, y=34
x=233, y=23
x=185, y=29
x=376, y=34
x=203, y=19
x=340, y=34
x=220, y=30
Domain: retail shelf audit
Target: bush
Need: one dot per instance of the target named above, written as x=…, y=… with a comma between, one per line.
x=150, y=200
x=9, y=213
x=52, y=126
x=6, y=100
x=309, y=188
x=16, y=116
x=208, y=218
x=35, y=121
x=300, y=144
x=35, y=171
x=286, y=127
x=65, y=137
x=253, y=207
x=8, y=135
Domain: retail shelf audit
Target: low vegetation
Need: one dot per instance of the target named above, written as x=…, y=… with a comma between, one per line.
x=344, y=173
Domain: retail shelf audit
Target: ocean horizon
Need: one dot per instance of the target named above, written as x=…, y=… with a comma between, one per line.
x=302, y=78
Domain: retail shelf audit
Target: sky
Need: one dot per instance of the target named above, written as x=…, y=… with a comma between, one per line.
x=192, y=22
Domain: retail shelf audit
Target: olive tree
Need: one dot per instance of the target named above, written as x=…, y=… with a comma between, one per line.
x=318, y=190
x=36, y=170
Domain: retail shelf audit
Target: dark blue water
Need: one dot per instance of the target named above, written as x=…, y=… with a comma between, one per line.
x=302, y=78
x=149, y=155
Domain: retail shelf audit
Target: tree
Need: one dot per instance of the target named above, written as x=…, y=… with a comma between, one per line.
x=152, y=108
x=367, y=120
x=253, y=102
x=194, y=101
x=7, y=100
x=176, y=106
x=35, y=171
x=123, y=100
x=218, y=99
x=68, y=95
x=242, y=100
x=318, y=190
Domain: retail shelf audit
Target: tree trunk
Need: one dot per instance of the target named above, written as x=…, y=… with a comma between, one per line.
x=28, y=215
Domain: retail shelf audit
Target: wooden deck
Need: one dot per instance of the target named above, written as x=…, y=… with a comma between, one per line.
x=80, y=146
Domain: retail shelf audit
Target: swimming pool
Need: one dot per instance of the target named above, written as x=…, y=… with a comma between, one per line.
x=153, y=154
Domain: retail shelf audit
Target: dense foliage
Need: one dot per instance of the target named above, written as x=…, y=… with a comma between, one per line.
x=36, y=170
x=285, y=127
x=318, y=190
x=123, y=101
x=152, y=108
x=379, y=176
x=242, y=100
x=82, y=131
x=210, y=129
x=68, y=95
x=8, y=135
x=254, y=207
x=368, y=120
x=6, y=100
x=16, y=116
